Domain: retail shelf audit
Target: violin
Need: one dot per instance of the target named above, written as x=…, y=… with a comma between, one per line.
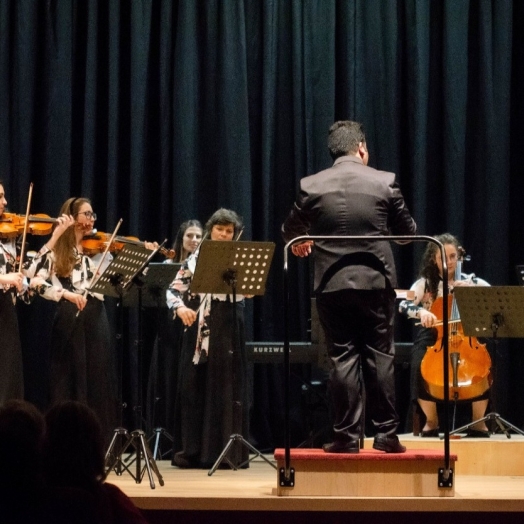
x=97, y=243
x=12, y=225
x=469, y=360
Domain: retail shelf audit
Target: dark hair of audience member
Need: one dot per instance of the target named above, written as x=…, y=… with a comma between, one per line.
x=22, y=428
x=74, y=447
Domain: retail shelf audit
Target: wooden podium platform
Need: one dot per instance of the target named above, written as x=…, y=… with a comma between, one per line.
x=369, y=473
x=497, y=455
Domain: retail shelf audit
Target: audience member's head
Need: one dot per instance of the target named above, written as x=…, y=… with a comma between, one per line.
x=74, y=449
x=22, y=429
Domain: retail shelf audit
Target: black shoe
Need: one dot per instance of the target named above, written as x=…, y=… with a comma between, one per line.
x=342, y=447
x=182, y=461
x=429, y=433
x=477, y=433
x=389, y=444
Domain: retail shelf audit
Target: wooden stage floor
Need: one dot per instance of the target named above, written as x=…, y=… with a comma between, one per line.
x=250, y=494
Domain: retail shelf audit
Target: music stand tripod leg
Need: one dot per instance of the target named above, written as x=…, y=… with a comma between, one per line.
x=238, y=438
x=157, y=433
x=222, y=456
x=465, y=427
x=143, y=451
x=254, y=450
x=157, y=443
x=113, y=458
x=504, y=424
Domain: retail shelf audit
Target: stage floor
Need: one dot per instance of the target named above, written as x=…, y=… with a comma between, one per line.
x=254, y=489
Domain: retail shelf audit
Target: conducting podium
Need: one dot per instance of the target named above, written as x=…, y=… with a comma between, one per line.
x=231, y=268
x=127, y=272
x=492, y=312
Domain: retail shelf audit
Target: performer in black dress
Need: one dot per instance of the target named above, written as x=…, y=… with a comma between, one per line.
x=83, y=361
x=12, y=284
x=204, y=403
x=163, y=371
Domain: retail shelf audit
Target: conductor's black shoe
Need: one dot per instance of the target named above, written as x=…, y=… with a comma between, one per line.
x=477, y=433
x=388, y=443
x=342, y=447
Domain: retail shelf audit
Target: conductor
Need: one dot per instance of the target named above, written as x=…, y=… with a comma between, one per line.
x=354, y=282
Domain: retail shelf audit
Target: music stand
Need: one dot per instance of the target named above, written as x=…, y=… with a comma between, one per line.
x=150, y=290
x=124, y=271
x=225, y=268
x=156, y=278
x=491, y=312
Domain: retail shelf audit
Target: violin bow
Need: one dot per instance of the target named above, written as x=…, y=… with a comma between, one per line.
x=111, y=240
x=26, y=226
x=93, y=281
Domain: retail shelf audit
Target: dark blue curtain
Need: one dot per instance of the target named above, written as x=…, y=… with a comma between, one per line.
x=164, y=110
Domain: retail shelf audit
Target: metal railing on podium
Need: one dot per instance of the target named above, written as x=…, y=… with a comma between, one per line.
x=287, y=473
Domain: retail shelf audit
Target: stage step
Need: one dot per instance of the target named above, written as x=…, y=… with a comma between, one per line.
x=497, y=455
x=369, y=473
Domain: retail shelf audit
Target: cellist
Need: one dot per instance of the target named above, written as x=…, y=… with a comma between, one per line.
x=427, y=288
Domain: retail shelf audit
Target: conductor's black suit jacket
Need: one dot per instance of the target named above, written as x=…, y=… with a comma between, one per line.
x=350, y=198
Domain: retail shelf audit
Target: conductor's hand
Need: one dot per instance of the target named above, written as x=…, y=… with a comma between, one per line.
x=186, y=315
x=427, y=318
x=303, y=249
x=79, y=300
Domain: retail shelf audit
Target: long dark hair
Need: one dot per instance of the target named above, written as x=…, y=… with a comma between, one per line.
x=65, y=258
x=428, y=266
x=178, y=245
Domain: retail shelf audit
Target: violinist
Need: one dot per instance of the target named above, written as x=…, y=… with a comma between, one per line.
x=427, y=288
x=83, y=362
x=187, y=239
x=13, y=284
x=204, y=400
x=163, y=371
x=12, y=281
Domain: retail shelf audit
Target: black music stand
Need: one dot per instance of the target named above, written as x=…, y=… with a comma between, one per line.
x=150, y=292
x=125, y=270
x=491, y=312
x=227, y=268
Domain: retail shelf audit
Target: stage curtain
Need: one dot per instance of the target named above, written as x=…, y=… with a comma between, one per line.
x=164, y=110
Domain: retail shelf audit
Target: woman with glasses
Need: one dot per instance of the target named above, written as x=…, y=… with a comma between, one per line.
x=83, y=362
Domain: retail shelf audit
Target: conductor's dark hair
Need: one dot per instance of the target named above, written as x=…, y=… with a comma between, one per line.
x=344, y=138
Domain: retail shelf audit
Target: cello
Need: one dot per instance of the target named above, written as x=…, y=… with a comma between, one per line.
x=469, y=360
